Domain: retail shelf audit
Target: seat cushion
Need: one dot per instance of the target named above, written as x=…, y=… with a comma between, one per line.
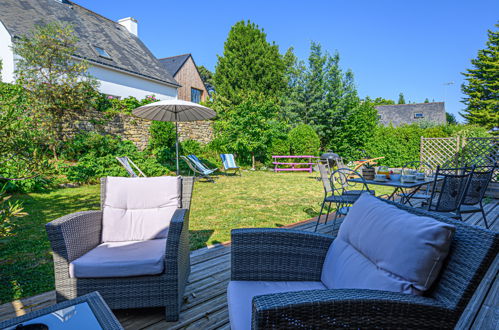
x=137, y=209
x=121, y=259
x=382, y=247
x=240, y=297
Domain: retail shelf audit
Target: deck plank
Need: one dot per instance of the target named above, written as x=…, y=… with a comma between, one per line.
x=205, y=305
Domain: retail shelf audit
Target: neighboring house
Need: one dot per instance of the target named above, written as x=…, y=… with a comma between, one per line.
x=119, y=60
x=184, y=70
x=400, y=114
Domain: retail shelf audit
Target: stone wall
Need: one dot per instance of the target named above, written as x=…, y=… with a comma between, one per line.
x=132, y=128
x=399, y=114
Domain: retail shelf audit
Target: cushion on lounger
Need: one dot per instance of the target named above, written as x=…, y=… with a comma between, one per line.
x=137, y=209
x=382, y=247
x=121, y=259
x=240, y=296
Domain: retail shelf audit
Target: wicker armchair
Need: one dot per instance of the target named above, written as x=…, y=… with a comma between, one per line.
x=74, y=235
x=289, y=255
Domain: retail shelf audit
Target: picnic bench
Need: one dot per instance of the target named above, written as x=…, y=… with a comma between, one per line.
x=295, y=165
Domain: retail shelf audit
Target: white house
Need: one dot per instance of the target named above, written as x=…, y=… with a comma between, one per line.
x=119, y=60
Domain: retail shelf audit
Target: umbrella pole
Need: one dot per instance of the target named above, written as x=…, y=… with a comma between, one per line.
x=176, y=141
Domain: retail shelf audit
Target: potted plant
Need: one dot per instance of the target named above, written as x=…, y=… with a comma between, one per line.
x=368, y=171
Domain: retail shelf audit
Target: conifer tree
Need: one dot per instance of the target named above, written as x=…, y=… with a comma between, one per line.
x=482, y=85
x=401, y=99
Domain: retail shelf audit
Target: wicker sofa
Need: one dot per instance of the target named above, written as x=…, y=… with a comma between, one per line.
x=290, y=255
x=74, y=235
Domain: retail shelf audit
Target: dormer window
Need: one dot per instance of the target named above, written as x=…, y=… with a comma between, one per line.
x=418, y=115
x=102, y=52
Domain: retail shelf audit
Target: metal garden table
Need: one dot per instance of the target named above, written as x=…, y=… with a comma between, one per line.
x=406, y=189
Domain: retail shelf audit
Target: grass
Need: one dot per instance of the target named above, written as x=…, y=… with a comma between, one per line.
x=256, y=199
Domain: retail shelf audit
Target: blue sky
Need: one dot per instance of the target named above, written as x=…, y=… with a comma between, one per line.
x=414, y=47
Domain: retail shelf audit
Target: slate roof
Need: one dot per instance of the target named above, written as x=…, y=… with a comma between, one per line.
x=128, y=52
x=174, y=63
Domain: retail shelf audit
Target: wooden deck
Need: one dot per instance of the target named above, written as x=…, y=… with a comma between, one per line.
x=205, y=305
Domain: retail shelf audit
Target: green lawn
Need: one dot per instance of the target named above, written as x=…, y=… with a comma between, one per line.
x=256, y=199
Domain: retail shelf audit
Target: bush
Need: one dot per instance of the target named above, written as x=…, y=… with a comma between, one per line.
x=303, y=140
x=162, y=135
x=96, y=155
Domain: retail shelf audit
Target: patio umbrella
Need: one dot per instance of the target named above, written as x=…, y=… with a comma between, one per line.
x=174, y=111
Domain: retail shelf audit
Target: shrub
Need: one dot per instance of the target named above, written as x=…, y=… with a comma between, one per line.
x=304, y=140
x=190, y=147
x=162, y=135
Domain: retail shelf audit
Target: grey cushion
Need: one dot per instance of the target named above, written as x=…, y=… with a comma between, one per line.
x=381, y=247
x=137, y=209
x=121, y=259
x=240, y=296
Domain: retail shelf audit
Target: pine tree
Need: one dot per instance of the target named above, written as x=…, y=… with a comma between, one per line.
x=482, y=85
x=426, y=100
x=249, y=64
x=401, y=99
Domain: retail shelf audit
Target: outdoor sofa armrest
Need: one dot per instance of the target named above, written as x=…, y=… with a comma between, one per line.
x=265, y=254
x=177, y=262
x=73, y=235
x=350, y=308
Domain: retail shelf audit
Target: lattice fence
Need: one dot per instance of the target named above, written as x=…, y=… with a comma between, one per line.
x=456, y=152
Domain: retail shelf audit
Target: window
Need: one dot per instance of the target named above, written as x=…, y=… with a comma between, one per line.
x=418, y=115
x=102, y=52
x=196, y=95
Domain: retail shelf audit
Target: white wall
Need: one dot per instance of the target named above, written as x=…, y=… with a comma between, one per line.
x=117, y=83
x=6, y=55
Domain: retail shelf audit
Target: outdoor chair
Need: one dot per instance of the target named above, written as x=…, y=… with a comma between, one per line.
x=284, y=278
x=338, y=190
x=449, y=189
x=472, y=200
x=422, y=167
x=127, y=164
x=198, y=171
x=229, y=163
x=134, y=251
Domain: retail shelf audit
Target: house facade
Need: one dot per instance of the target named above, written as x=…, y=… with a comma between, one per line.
x=400, y=114
x=118, y=59
x=184, y=70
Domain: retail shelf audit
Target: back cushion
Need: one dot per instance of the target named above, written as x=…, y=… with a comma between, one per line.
x=382, y=247
x=137, y=209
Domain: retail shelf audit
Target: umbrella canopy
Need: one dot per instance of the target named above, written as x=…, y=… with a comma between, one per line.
x=174, y=111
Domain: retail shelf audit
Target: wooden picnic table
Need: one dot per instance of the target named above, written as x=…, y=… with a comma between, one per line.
x=295, y=165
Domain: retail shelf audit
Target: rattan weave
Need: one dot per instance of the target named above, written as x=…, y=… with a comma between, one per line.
x=286, y=255
x=73, y=235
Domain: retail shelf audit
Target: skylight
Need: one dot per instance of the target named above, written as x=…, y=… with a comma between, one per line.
x=102, y=52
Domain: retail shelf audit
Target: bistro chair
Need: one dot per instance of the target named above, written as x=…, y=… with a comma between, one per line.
x=449, y=188
x=337, y=190
x=422, y=167
x=472, y=201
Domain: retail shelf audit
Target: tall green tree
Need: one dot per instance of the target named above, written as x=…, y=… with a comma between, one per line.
x=426, y=100
x=401, y=99
x=207, y=78
x=249, y=64
x=57, y=83
x=482, y=85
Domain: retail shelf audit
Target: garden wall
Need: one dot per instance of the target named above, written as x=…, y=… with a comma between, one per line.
x=132, y=128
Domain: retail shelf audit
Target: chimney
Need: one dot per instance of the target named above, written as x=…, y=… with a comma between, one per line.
x=130, y=24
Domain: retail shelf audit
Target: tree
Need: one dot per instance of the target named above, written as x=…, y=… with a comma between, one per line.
x=482, y=85
x=379, y=101
x=320, y=94
x=426, y=100
x=207, y=78
x=247, y=128
x=249, y=64
x=401, y=99
x=56, y=81
x=450, y=118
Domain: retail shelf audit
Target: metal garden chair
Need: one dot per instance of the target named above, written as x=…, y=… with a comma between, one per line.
x=472, y=201
x=337, y=190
